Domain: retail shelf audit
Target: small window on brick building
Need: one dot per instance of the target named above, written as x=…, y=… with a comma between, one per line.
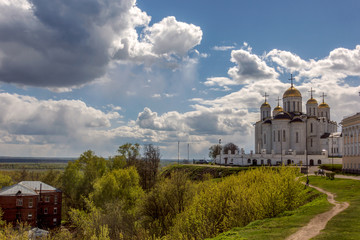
x=29, y=216
x=19, y=202
x=47, y=198
x=54, y=221
x=30, y=203
x=55, y=210
x=45, y=211
x=55, y=199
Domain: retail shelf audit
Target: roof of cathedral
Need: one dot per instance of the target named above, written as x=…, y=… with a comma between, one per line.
x=268, y=121
x=292, y=92
x=296, y=120
x=324, y=105
x=312, y=101
x=283, y=115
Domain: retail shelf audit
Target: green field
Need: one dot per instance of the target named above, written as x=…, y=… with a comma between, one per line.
x=345, y=225
x=281, y=226
x=33, y=166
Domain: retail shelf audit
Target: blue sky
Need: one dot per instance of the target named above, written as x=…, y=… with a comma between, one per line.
x=97, y=74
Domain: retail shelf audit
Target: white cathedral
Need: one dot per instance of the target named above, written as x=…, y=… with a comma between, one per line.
x=287, y=135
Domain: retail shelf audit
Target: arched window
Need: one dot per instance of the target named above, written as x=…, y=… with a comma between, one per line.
x=284, y=136
x=279, y=135
x=311, y=127
x=274, y=136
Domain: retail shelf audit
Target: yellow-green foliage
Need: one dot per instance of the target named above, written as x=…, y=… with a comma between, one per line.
x=9, y=233
x=238, y=200
x=166, y=199
x=5, y=180
x=120, y=184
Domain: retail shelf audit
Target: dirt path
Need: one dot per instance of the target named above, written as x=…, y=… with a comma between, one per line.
x=319, y=222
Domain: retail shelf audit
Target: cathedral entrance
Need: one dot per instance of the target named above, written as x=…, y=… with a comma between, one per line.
x=311, y=162
x=288, y=162
x=269, y=162
x=254, y=163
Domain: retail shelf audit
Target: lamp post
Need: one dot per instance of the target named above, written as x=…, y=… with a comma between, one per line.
x=306, y=148
x=178, y=152
x=332, y=152
x=242, y=158
x=220, y=151
x=281, y=146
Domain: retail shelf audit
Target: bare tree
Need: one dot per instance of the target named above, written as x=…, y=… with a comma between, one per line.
x=230, y=146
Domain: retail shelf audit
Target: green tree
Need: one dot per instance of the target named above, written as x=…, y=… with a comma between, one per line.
x=238, y=200
x=79, y=177
x=5, y=180
x=116, y=162
x=214, y=150
x=149, y=165
x=166, y=199
x=121, y=185
x=131, y=152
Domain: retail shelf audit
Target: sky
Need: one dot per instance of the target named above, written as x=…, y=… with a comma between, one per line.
x=96, y=74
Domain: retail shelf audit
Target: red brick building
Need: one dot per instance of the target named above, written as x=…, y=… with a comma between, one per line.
x=34, y=202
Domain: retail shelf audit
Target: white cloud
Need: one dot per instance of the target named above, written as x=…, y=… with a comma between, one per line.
x=223, y=48
x=287, y=60
x=172, y=37
x=43, y=46
x=249, y=67
x=219, y=81
x=27, y=120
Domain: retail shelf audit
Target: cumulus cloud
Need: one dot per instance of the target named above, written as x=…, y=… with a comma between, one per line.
x=287, y=60
x=249, y=67
x=340, y=62
x=63, y=44
x=28, y=116
x=172, y=37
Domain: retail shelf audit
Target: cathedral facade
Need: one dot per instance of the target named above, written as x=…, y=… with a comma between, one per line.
x=289, y=129
x=289, y=134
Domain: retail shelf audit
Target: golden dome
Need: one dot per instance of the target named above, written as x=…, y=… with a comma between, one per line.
x=324, y=105
x=312, y=101
x=278, y=109
x=265, y=104
x=292, y=92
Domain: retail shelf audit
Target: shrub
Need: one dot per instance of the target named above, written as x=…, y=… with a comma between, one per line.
x=337, y=168
x=238, y=200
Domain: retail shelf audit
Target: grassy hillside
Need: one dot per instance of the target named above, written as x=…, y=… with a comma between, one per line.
x=199, y=172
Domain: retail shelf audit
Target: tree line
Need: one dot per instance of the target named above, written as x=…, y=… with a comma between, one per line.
x=125, y=197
